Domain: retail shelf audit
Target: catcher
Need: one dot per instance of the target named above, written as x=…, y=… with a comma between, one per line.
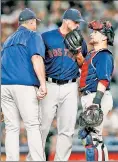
x=94, y=86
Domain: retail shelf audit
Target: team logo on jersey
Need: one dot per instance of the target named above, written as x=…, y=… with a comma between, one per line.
x=58, y=52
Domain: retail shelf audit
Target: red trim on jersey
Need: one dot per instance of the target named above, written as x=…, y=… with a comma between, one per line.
x=104, y=82
x=84, y=73
x=103, y=156
x=63, y=35
x=96, y=154
x=84, y=70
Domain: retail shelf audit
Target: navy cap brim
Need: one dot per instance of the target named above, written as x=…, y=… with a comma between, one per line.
x=80, y=20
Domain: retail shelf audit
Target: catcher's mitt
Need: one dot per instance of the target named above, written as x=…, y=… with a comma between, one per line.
x=73, y=40
x=91, y=117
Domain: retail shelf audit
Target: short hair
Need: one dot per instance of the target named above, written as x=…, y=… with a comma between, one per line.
x=25, y=22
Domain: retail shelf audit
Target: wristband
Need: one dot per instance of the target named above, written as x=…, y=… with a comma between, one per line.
x=98, y=97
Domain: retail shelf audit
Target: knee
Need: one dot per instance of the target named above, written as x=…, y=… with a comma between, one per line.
x=67, y=131
x=32, y=125
x=66, y=134
x=87, y=139
x=12, y=127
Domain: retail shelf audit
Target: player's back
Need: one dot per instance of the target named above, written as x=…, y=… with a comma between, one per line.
x=16, y=61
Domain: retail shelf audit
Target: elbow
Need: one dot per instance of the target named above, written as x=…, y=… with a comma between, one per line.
x=104, y=82
x=36, y=58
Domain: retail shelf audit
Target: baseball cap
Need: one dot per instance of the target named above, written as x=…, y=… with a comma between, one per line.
x=73, y=14
x=27, y=14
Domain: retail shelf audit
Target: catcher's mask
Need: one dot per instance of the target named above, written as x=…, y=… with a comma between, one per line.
x=105, y=28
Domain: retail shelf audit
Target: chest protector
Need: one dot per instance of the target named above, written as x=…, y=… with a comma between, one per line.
x=88, y=71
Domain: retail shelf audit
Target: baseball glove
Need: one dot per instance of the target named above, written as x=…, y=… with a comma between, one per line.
x=91, y=117
x=73, y=40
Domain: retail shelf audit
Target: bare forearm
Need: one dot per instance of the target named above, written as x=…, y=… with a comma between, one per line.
x=101, y=87
x=39, y=68
x=80, y=59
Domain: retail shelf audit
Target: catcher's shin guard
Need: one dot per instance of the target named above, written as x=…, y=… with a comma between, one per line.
x=95, y=149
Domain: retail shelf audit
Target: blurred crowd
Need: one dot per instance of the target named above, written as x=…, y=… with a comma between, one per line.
x=50, y=12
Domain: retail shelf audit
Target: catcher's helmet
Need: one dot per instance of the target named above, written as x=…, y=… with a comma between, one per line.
x=105, y=28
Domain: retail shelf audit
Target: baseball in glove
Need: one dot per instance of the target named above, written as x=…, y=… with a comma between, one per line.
x=91, y=117
x=73, y=40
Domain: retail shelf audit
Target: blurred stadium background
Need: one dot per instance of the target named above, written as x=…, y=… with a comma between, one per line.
x=50, y=13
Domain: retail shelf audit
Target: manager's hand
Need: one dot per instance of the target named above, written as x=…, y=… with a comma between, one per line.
x=42, y=91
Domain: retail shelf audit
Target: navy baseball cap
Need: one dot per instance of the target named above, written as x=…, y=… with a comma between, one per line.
x=73, y=14
x=27, y=14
